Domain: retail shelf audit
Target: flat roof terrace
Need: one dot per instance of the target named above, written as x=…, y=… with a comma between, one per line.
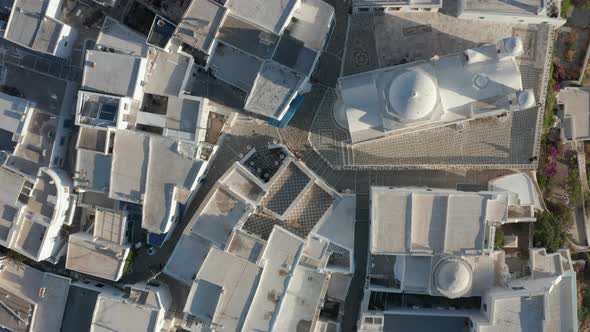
x=113, y=313
x=172, y=168
x=129, y=167
x=271, y=15
x=97, y=258
x=221, y=213
x=237, y=278
x=30, y=236
x=92, y=170
x=187, y=258
x=420, y=221
x=166, y=72
x=112, y=73
x=29, y=26
x=120, y=38
x=200, y=23
x=36, y=145
x=92, y=139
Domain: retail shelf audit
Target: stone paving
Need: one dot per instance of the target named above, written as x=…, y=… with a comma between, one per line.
x=285, y=189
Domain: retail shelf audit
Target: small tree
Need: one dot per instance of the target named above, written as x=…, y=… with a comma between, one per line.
x=565, y=7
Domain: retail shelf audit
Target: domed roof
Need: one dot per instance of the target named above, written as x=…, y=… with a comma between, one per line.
x=526, y=99
x=413, y=95
x=453, y=277
x=513, y=46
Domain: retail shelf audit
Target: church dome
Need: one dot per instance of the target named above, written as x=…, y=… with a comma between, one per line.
x=525, y=98
x=413, y=95
x=512, y=46
x=453, y=277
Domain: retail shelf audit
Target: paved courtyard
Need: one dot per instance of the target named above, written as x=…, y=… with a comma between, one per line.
x=511, y=141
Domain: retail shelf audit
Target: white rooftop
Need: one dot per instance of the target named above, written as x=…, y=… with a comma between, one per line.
x=236, y=278
x=273, y=89
x=167, y=73
x=520, y=184
x=46, y=293
x=12, y=112
x=93, y=170
x=303, y=295
x=271, y=15
x=339, y=224
x=113, y=313
x=312, y=24
x=113, y=73
x=221, y=212
x=12, y=184
x=186, y=259
x=117, y=36
x=129, y=166
x=547, y=304
x=29, y=26
x=414, y=220
x=575, y=123
x=200, y=23
x=172, y=172
x=96, y=257
x=278, y=263
x=186, y=118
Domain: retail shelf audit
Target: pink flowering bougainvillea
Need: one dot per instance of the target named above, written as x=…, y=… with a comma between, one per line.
x=551, y=168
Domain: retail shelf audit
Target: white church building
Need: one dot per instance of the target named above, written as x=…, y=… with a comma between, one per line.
x=479, y=82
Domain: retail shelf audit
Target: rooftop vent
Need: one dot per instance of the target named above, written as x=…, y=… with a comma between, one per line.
x=481, y=81
x=265, y=38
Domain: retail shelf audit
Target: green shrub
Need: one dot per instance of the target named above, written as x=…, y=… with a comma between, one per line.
x=551, y=228
x=574, y=189
x=548, y=120
x=542, y=180
x=565, y=7
x=129, y=260
x=499, y=238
